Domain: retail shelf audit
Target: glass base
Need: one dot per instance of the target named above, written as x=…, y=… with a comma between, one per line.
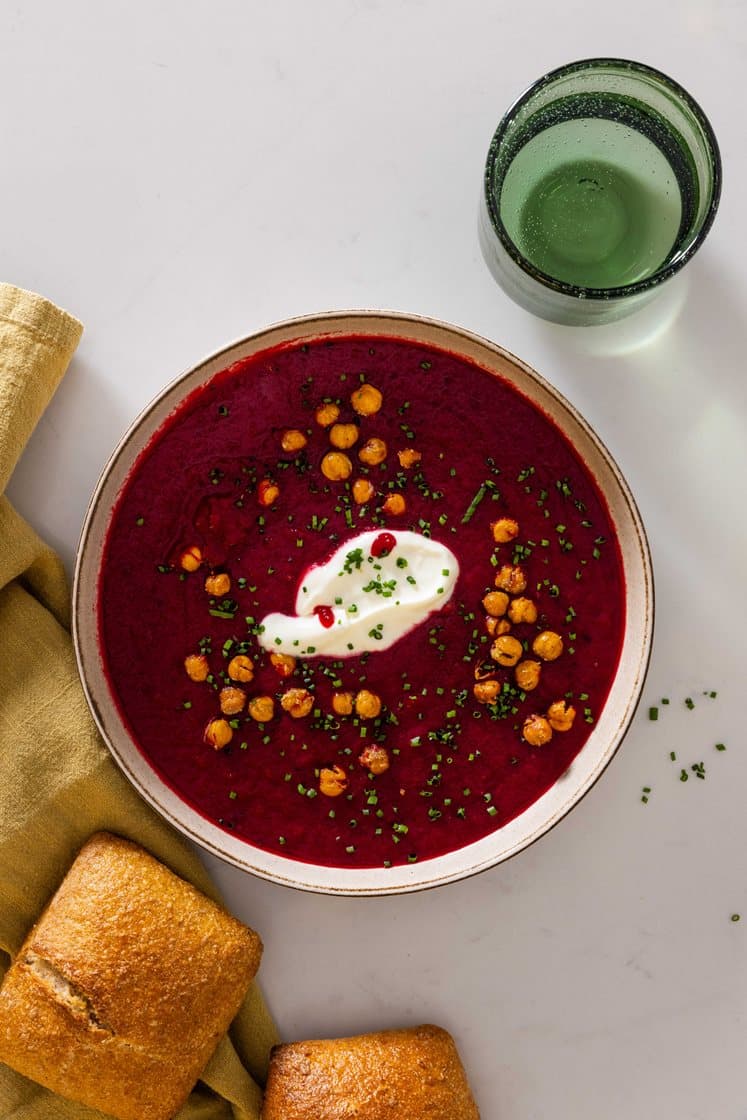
x=557, y=307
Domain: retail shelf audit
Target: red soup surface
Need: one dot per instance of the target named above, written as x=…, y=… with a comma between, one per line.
x=472, y=717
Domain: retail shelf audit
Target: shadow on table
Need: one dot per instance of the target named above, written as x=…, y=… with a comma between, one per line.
x=694, y=330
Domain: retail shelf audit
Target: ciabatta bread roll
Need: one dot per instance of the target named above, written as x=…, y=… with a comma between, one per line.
x=125, y=985
x=413, y=1074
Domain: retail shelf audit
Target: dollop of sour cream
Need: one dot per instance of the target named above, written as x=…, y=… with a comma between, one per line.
x=372, y=590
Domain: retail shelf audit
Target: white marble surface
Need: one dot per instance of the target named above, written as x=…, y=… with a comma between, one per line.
x=179, y=174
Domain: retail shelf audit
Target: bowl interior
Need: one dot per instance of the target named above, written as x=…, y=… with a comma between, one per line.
x=544, y=813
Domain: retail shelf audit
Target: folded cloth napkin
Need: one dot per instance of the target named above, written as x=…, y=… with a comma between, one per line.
x=58, y=783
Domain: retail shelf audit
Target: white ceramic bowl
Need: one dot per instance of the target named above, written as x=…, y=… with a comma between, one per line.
x=544, y=813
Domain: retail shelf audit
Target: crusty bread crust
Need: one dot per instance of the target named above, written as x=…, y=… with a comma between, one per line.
x=125, y=985
x=409, y=1074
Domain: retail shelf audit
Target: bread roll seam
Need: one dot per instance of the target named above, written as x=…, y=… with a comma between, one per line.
x=64, y=992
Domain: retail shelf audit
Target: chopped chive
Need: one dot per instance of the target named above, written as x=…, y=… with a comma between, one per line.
x=470, y=511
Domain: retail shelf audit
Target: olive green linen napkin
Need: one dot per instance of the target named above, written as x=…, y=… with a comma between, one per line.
x=58, y=783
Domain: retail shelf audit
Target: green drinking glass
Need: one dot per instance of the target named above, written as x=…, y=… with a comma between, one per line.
x=601, y=182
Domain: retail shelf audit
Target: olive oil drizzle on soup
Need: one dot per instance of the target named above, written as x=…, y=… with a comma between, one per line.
x=375, y=758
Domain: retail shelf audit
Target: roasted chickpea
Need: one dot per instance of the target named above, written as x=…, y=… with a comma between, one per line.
x=343, y=436
x=191, y=558
x=367, y=704
x=282, y=663
x=496, y=603
x=511, y=579
x=485, y=669
x=196, y=665
x=326, y=414
x=561, y=715
x=241, y=668
x=522, y=610
x=293, y=439
x=408, y=457
x=505, y=530
x=506, y=651
x=218, y=584
x=497, y=626
x=363, y=491
x=218, y=734
x=527, y=675
x=261, y=708
x=548, y=645
x=366, y=400
x=268, y=492
x=332, y=781
x=373, y=452
x=336, y=466
x=232, y=700
x=536, y=731
x=374, y=759
x=395, y=505
x=342, y=703
x=485, y=692
x=297, y=702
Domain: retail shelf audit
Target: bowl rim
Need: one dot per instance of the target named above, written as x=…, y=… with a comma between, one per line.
x=578, y=291
x=459, y=863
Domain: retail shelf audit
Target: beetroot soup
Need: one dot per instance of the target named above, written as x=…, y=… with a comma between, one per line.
x=361, y=602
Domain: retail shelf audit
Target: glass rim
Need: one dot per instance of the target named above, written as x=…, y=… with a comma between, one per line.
x=575, y=290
